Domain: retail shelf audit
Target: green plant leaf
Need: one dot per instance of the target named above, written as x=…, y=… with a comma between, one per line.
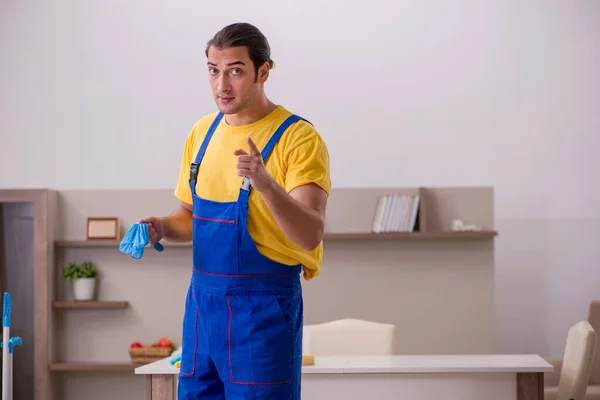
x=86, y=269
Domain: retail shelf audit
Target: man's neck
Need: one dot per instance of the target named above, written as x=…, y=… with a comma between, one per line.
x=251, y=114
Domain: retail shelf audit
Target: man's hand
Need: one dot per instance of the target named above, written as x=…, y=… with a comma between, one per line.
x=155, y=229
x=252, y=166
x=300, y=214
x=176, y=227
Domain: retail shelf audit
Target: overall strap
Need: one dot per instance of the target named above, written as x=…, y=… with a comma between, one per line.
x=196, y=164
x=266, y=152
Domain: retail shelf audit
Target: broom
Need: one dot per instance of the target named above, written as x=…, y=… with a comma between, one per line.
x=8, y=344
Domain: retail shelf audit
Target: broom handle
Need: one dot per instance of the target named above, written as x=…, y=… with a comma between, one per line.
x=10, y=380
x=5, y=364
x=6, y=311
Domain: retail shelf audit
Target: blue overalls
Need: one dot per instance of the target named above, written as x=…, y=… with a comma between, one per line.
x=242, y=328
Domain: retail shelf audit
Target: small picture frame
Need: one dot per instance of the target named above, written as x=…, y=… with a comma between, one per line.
x=103, y=228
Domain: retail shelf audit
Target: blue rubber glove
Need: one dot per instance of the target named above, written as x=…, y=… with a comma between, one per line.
x=135, y=240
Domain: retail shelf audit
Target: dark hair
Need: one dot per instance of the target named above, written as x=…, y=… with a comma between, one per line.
x=243, y=34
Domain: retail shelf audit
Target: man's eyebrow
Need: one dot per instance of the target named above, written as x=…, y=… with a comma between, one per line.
x=228, y=64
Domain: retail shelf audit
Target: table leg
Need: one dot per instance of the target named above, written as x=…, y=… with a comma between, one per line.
x=148, y=387
x=160, y=387
x=530, y=386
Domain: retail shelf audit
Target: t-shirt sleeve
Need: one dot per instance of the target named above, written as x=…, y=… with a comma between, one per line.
x=308, y=162
x=182, y=190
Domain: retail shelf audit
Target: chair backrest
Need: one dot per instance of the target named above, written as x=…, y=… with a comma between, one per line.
x=594, y=320
x=577, y=362
x=349, y=337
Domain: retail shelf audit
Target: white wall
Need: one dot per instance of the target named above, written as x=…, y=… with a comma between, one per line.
x=406, y=93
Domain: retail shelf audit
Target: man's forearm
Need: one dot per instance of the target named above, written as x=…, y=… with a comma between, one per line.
x=302, y=224
x=178, y=226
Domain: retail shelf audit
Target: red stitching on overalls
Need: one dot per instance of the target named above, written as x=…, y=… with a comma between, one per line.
x=240, y=275
x=227, y=221
x=195, y=348
x=229, y=356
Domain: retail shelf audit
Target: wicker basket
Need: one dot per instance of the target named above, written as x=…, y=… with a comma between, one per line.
x=145, y=355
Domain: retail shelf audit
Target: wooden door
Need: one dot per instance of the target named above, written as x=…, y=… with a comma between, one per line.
x=17, y=266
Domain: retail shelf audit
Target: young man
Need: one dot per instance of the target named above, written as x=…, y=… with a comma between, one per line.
x=253, y=186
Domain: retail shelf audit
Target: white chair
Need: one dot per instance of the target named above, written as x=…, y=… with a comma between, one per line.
x=349, y=337
x=576, y=365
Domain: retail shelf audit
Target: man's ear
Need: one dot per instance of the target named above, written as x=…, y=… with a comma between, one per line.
x=263, y=72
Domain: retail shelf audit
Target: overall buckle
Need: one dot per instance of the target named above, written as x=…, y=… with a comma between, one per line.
x=246, y=185
x=194, y=172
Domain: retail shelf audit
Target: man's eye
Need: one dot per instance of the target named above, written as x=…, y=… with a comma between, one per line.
x=212, y=71
x=236, y=71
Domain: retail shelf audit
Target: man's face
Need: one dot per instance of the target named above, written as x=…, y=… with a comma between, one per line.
x=232, y=78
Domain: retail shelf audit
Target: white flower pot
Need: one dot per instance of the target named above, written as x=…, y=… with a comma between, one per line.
x=84, y=288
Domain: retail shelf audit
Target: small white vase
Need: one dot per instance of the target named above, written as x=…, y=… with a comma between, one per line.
x=84, y=288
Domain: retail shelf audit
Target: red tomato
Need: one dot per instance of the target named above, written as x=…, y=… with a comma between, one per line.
x=164, y=342
x=136, y=345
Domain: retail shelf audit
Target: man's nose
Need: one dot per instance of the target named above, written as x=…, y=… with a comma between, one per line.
x=223, y=84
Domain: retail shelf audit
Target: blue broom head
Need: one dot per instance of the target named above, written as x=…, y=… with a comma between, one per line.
x=6, y=310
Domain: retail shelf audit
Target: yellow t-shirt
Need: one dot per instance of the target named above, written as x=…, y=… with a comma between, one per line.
x=299, y=157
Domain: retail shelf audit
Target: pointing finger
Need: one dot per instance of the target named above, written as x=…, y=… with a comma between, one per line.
x=253, y=149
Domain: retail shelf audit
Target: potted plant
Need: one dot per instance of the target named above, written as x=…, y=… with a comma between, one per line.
x=84, y=279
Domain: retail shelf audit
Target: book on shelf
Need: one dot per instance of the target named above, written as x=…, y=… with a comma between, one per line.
x=396, y=213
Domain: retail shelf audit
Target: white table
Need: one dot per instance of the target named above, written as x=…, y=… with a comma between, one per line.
x=423, y=377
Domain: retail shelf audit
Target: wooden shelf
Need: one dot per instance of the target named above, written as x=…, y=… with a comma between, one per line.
x=412, y=236
x=107, y=243
x=91, y=305
x=87, y=243
x=443, y=235
x=92, y=367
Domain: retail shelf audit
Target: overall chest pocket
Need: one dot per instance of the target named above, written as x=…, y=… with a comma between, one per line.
x=216, y=243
